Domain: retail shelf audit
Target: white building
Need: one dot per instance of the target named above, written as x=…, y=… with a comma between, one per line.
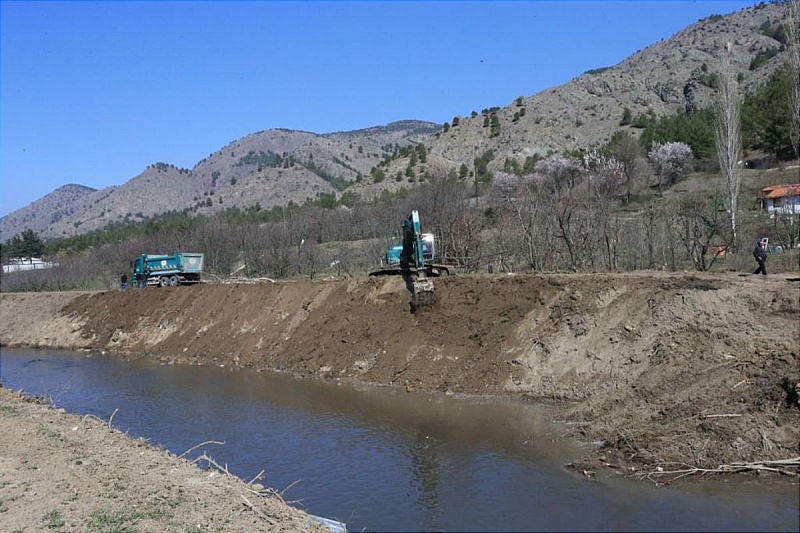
x=19, y=264
x=781, y=199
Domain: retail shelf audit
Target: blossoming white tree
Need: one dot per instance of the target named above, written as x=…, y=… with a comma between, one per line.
x=560, y=170
x=671, y=161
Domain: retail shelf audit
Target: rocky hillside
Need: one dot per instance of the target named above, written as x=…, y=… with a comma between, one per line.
x=278, y=166
x=667, y=77
x=49, y=210
x=272, y=167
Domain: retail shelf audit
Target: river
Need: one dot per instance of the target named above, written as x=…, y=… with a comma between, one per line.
x=381, y=459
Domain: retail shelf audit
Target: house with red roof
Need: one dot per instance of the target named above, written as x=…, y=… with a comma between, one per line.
x=781, y=199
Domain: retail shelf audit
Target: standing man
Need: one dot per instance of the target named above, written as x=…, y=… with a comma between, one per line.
x=760, y=253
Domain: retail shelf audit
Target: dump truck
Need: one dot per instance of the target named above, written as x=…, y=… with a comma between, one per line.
x=167, y=270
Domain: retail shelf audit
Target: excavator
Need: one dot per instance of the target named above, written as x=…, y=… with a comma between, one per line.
x=414, y=260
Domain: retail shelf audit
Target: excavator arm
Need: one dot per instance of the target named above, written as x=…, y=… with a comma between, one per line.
x=414, y=251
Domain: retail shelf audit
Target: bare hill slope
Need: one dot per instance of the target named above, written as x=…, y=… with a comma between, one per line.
x=268, y=168
x=667, y=77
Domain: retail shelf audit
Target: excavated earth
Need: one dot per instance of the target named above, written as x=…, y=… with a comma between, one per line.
x=657, y=368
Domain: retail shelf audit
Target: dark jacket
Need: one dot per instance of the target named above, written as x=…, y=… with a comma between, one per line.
x=759, y=251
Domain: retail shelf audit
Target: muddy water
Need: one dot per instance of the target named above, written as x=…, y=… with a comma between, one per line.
x=385, y=460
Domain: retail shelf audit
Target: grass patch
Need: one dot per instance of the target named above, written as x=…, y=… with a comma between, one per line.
x=52, y=434
x=102, y=521
x=9, y=410
x=53, y=520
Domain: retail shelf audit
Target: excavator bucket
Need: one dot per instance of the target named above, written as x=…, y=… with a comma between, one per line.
x=423, y=293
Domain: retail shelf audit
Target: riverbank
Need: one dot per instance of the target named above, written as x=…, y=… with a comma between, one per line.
x=62, y=472
x=659, y=368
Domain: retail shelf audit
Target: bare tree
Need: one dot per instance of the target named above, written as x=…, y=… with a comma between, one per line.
x=701, y=226
x=441, y=203
x=310, y=258
x=578, y=230
x=650, y=216
x=462, y=234
x=628, y=152
x=728, y=134
x=218, y=243
x=793, y=45
x=254, y=243
x=531, y=207
x=604, y=176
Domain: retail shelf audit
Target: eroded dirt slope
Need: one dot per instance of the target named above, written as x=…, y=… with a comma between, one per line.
x=646, y=362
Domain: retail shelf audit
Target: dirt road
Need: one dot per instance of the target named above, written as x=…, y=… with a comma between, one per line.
x=690, y=368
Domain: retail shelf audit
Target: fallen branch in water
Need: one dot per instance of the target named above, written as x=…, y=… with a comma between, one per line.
x=181, y=456
x=257, y=478
x=213, y=463
x=264, y=492
x=112, y=417
x=781, y=466
x=108, y=423
x=292, y=484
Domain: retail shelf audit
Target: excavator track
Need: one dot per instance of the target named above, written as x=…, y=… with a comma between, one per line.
x=435, y=271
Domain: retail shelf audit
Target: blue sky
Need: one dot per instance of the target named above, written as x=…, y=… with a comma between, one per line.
x=94, y=92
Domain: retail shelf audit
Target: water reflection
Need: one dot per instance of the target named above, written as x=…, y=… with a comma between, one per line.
x=381, y=459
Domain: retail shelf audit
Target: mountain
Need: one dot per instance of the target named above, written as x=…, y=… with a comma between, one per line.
x=269, y=168
x=278, y=166
x=49, y=210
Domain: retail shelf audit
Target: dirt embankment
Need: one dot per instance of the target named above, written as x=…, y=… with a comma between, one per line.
x=659, y=367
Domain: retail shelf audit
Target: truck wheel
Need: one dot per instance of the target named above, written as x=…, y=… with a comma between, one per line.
x=164, y=281
x=174, y=281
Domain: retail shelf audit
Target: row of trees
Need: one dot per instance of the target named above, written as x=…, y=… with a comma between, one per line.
x=25, y=245
x=569, y=215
